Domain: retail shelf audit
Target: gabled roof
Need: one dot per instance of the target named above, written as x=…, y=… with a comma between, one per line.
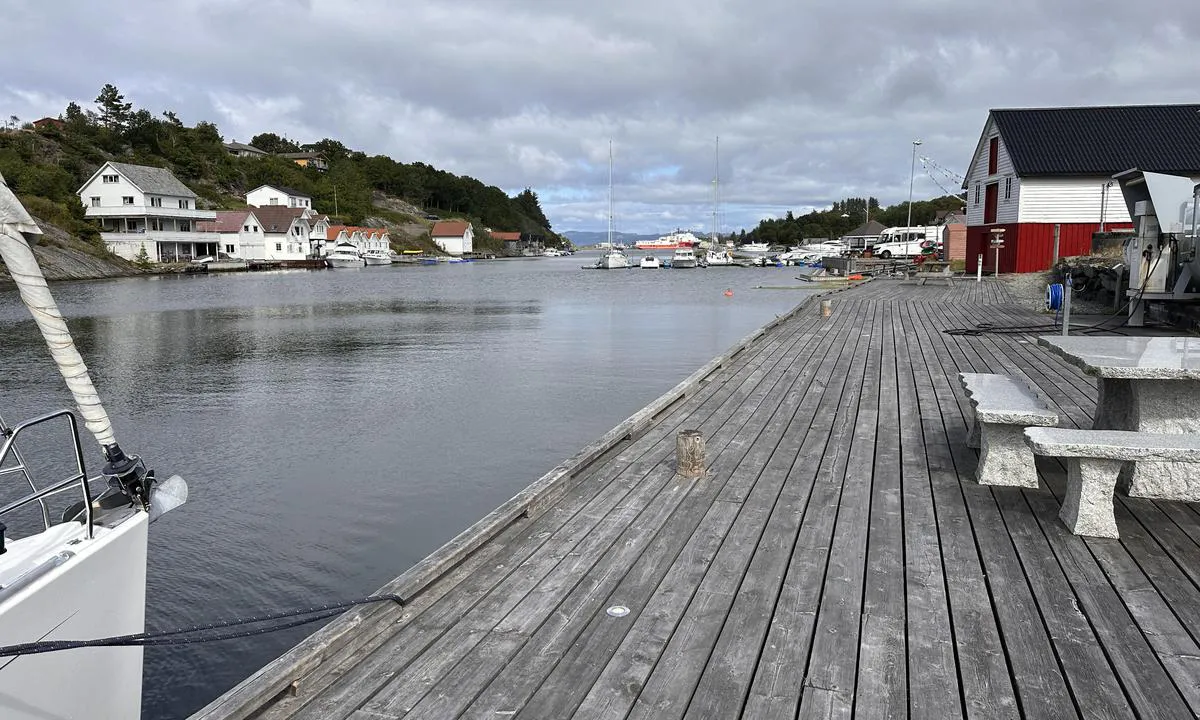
x=228, y=221
x=366, y=232
x=505, y=236
x=152, y=180
x=291, y=192
x=1101, y=140
x=243, y=147
x=871, y=228
x=449, y=228
x=277, y=218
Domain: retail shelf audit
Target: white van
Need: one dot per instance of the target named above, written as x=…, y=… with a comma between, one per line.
x=907, y=241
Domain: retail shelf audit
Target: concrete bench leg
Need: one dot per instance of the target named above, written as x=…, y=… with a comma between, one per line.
x=1004, y=458
x=1087, y=507
x=973, y=434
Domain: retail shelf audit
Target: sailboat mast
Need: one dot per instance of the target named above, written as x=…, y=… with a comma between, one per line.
x=716, y=194
x=610, y=197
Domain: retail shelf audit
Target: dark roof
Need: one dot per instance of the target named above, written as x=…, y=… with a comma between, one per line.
x=871, y=228
x=1102, y=140
x=293, y=192
x=159, y=181
x=228, y=221
x=277, y=218
x=243, y=146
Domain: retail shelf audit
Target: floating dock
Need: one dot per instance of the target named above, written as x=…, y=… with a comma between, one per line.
x=836, y=560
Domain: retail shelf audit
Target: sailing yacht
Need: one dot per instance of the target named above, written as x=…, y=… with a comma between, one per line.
x=614, y=258
x=716, y=255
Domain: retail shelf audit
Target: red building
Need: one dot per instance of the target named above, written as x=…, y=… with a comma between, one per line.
x=1035, y=169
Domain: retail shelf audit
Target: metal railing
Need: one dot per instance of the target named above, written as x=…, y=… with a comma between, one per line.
x=39, y=495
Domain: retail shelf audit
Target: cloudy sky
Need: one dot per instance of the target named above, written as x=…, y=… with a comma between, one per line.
x=812, y=101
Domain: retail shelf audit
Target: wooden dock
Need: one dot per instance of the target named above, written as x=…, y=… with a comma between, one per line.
x=837, y=560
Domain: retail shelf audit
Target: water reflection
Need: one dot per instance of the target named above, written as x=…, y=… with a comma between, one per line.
x=334, y=428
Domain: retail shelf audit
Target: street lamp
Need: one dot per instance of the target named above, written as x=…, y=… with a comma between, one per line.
x=911, y=171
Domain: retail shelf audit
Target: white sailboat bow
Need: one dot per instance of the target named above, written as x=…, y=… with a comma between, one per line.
x=79, y=575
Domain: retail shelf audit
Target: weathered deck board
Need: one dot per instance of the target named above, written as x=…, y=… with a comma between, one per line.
x=838, y=559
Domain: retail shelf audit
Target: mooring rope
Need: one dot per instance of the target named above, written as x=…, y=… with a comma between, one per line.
x=204, y=633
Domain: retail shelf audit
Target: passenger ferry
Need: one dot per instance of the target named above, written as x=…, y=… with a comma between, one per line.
x=673, y=241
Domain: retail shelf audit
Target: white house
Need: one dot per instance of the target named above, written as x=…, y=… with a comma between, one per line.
x=1038, y=168
x=269, y=195
x=286, y=233
x=238, y=149
x=147, y=207
x=241, y=234
x=363, y=238
x=455, y=237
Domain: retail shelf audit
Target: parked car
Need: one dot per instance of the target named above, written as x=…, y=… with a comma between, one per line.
x=907, y=242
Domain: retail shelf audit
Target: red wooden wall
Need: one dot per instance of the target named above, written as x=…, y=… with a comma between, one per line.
x=1029, y=247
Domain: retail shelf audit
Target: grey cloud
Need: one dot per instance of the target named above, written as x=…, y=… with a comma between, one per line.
x=811, y=103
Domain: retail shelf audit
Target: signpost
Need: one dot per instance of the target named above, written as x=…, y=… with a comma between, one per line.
x=997, y=243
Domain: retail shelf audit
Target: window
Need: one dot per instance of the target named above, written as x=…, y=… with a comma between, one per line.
x=275, y=201
x=109, y=179
x=278, y=247
x=1008, y=188
x=155, y=202
x=245, y=228
x=185, y=226
x=993, y=153
x=291, y=202
x=95, y=201
x=254, y=228
x=229, y=249
x=184, y=204
x=976, y=193
x=127, y=200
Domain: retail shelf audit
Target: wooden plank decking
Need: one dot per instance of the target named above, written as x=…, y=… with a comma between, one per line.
x=836, y=561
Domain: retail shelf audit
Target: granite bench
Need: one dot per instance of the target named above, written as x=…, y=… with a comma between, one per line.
x=1004, y=407
x=1095, y=460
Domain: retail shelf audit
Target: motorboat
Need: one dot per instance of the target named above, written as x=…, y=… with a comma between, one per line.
x=650, y=262
x=684, y=258
x=345, y=255
x=78, y=575
x=377, y=257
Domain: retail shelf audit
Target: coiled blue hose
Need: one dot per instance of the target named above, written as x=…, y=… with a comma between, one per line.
x=1054, y=296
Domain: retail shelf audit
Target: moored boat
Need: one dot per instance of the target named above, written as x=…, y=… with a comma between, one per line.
x=684, y=258
x=650, y=262
x=344, y=255
x=377, y=257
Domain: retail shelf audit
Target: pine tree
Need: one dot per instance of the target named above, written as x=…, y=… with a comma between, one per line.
x=114, y=111
x=142, y=259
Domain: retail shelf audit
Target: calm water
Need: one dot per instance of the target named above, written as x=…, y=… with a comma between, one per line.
x=335, y=427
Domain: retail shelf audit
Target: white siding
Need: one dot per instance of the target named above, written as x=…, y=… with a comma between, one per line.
x=262, y=197
x=1006, y=208
x=457, y=245
x=1070, y=200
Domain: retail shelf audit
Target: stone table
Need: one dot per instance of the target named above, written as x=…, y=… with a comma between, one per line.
x=1148, y=384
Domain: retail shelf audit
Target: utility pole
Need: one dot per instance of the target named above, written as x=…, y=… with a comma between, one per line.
x=911, y=171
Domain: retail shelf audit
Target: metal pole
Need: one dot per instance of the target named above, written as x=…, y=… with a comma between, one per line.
x=1066, y=325
x=996, y=268
x=1057, y=227
x=979, y=268
x=911, y=171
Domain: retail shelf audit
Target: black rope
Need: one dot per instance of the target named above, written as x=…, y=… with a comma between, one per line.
x=203, y=633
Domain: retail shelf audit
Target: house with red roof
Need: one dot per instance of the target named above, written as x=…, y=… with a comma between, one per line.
x=455, y=237
x=363, y=238
x=240, y=233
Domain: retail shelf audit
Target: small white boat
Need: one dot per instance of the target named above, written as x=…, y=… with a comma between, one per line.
x=684, y=258
x=551, y=252
x=344, y=255
x=377, y=257
x=719, y=257
x=613, y=260
x=650, y=262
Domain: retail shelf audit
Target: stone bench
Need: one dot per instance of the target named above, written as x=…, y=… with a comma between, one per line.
x=1004, y=407
x=1095, y=460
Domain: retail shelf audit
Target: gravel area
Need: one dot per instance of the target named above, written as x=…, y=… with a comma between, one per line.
x=1029, y=289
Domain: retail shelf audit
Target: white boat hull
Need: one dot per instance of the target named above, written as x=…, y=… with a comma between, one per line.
x=377, y=260
x=343, y=262
x=98, y=591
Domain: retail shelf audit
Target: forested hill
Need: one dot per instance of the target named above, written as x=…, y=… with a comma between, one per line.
x=845, y=216
x=46, y=164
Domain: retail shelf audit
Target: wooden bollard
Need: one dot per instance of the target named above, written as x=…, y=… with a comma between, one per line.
x=826, y=308
x=689, y=453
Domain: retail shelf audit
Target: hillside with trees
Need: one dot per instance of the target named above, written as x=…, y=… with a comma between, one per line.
x=843, y=217
x=45, y=165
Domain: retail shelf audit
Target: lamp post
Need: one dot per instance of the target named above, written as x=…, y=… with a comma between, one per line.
x=911, y=171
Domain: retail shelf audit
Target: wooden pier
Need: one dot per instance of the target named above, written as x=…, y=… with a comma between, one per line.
x=836, y=560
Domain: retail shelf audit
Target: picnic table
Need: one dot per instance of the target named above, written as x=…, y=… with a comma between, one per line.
x=1146, y=384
